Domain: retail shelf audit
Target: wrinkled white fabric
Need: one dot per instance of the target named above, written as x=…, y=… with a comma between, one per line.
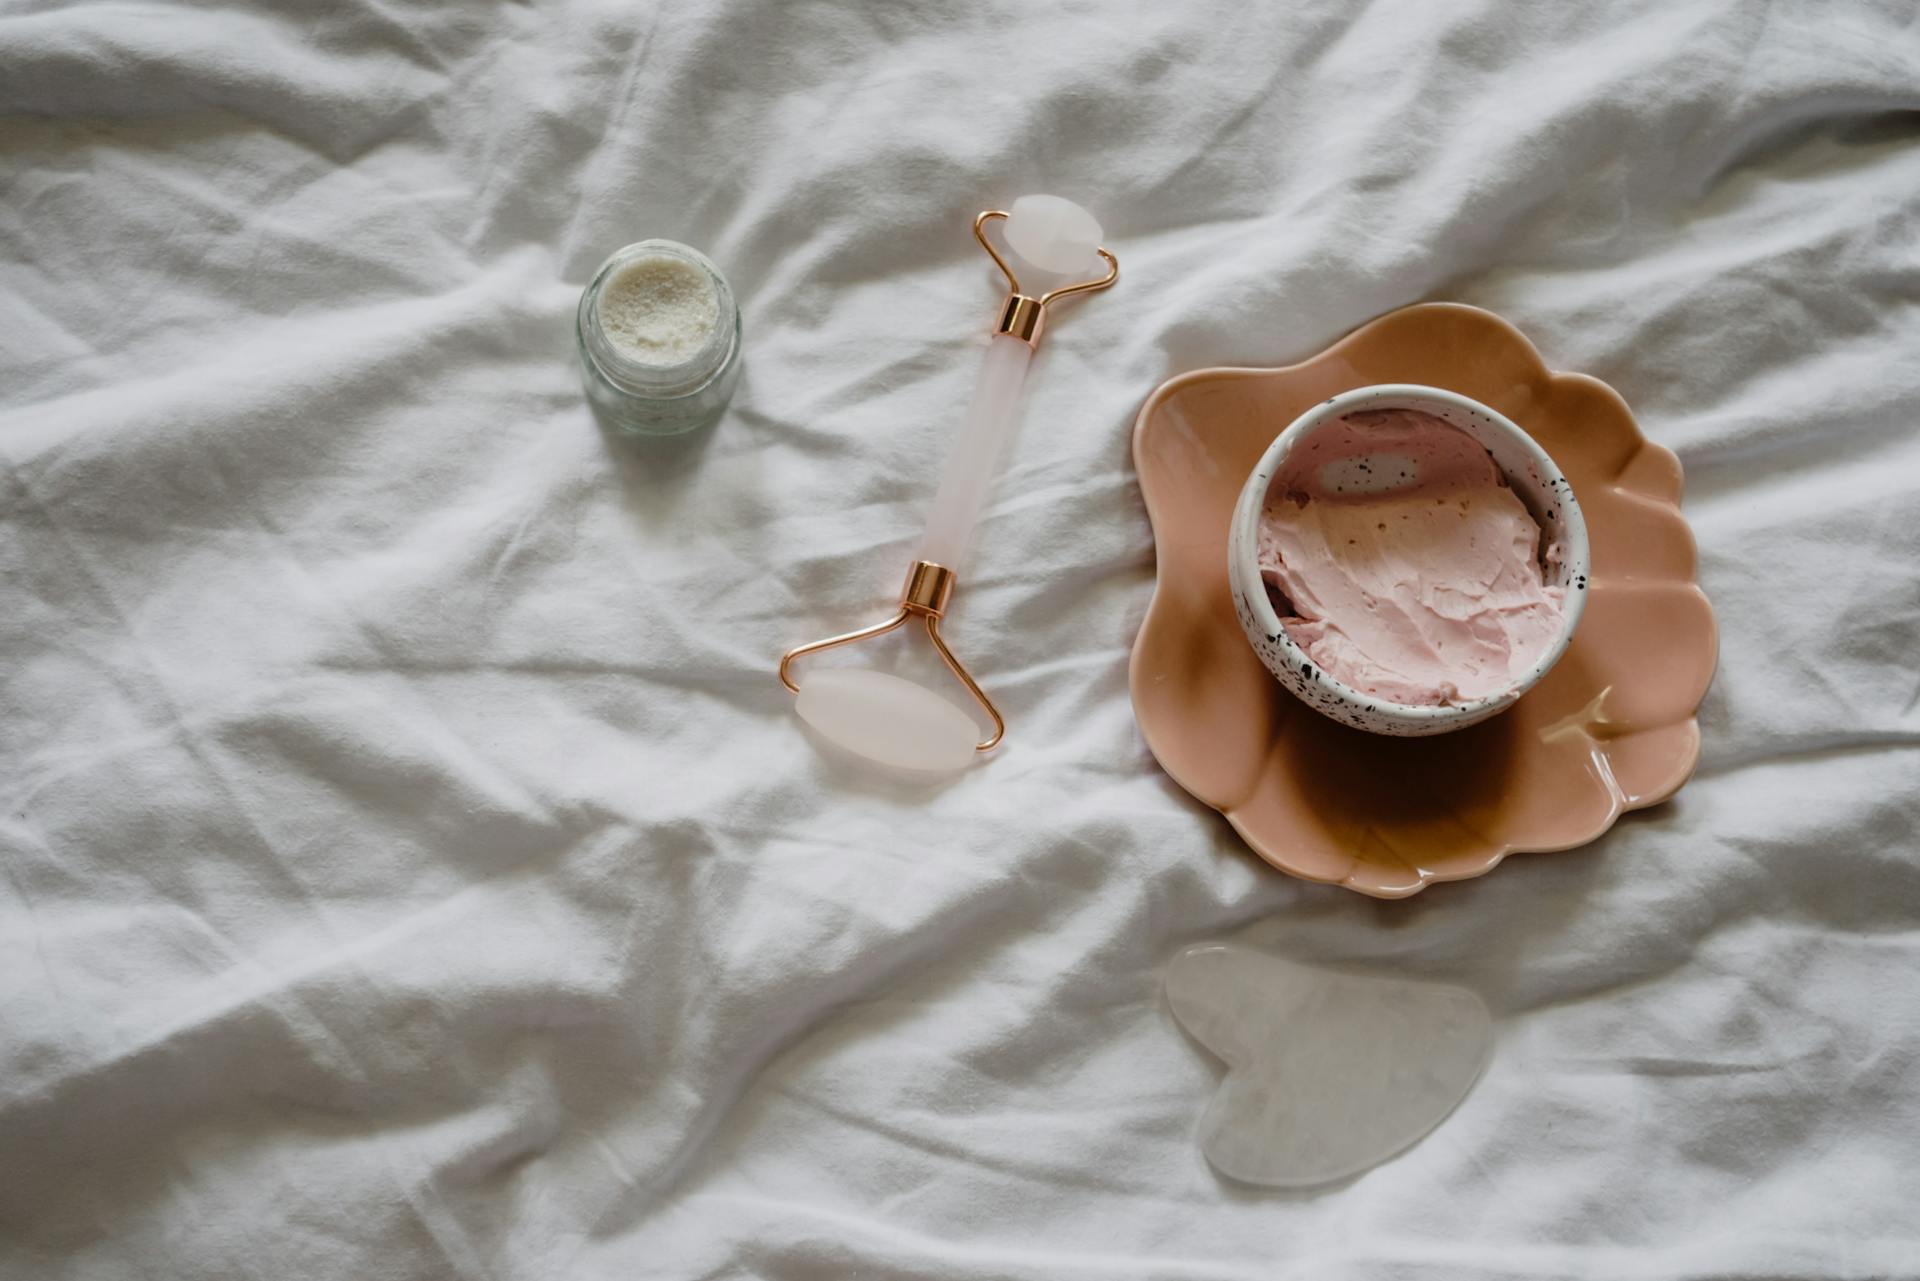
x=412, y=868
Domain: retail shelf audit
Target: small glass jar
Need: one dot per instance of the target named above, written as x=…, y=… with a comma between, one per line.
x=646, y=399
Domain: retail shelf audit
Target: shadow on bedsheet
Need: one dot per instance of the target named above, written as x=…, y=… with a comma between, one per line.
x=658, y=460
x=661, y=482
x=1548, y=948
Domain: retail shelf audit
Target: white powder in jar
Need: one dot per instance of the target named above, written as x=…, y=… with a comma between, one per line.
x=658, y=310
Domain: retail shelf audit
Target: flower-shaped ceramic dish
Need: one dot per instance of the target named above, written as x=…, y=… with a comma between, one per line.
x=1610, y=728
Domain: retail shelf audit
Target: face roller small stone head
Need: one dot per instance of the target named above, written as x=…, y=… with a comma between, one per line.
x=1054, y=244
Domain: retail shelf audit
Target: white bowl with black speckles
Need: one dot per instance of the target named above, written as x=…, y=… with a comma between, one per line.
x=1535, y=479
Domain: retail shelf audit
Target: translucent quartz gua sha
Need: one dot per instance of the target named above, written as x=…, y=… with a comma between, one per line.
x=1328, y=1074
x=884, y=718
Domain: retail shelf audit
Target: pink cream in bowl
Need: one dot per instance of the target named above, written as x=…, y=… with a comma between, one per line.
x=1404, y=563
x=1407, y=560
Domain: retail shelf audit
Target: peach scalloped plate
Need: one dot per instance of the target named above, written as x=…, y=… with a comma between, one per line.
x=1610, y=729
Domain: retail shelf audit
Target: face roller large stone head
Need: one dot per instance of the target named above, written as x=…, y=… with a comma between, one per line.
x=1054, y=247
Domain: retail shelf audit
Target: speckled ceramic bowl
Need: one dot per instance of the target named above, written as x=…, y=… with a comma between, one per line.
x=1534, y=477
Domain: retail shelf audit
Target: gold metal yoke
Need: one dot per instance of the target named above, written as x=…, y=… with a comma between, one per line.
x=1022, y=315
x=929, y=588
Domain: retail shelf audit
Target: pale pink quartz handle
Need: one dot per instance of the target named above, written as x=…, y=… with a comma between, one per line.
x=977, y=451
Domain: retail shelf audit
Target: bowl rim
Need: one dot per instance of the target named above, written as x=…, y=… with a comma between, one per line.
x=1244, y=558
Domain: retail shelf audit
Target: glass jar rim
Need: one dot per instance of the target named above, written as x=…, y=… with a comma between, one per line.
x=659, y=382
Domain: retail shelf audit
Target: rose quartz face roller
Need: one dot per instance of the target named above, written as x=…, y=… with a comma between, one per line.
x=1054, y=246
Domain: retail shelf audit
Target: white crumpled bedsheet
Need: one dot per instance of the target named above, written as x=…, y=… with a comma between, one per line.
x=411, y=865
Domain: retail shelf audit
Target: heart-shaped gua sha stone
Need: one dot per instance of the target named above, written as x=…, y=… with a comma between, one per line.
x=1327, y=1074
